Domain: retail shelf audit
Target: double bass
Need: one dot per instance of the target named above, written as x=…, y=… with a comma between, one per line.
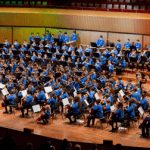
x=143, y=123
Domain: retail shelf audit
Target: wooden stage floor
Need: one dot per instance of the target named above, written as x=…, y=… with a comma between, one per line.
x=61, y=129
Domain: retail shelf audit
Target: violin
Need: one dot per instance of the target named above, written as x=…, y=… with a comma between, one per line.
x=104, y=108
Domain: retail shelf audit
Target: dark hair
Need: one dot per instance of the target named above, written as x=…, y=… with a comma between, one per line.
x=65, y=32
x=101, y=36
x=77, y=99
x=118, y=40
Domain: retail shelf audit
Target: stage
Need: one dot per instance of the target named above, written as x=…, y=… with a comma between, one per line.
x=61, y=128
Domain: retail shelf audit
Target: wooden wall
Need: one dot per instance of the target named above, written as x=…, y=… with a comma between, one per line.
x=85, y=37
x=76, y=19
x=6, y=32
x=146, y=41
x=113, y=37
x=23, y=33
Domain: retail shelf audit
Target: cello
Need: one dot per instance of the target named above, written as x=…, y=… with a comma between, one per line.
x=143, y=123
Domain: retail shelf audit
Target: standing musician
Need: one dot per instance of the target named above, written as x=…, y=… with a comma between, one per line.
x=101, y=42
x=118, y=45
x=97, y=113
x=6, y=43
x=75, y=109
x=60, y=37
x=10, y=101
x=117, y=116
x=128, y=44
x=74, y=36
x=138, y=44
x=139, y=60
x=26, y=103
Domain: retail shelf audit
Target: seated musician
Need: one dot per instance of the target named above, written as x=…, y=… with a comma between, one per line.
x=43, y=38
x=128, y=44
x=97, y=113
x=122, y=64
x=93, y=74
x=5, y=49
x=64, y=53
x=139, y=61
x=83, y=97
x=66, y=37
x=102, y=79
x=12, y=48
x=48, y=45
x=99, y=52
x=144, y=102
x=91, y=95
x=135, y=94
x=25, y=44
x=21, y=55
x=40, y=96
x=88, y=49
x=114, y=51
x=83, y=57
x=6, y=43
x=106, y=53
x=46, y=115
x=70, y=49
x=83, y=79
x=80, y=50
x=118, y=45
x=51, y=82
x=120, y=54
x=113, y=59
x=23, y=48
x=101, y=42
x=41, y=44
x=106, y=107
x=56, y=46
x=34, y=43
x=146, y=125
x=138, y=44
x=118, y=116
x=103, y=60
x=87, y=62
x=98, y=65
x=121, y=83
x=16, y=44
x=75, y=109
x=37, y=35
x=10, y=84
x=111, y=67
x=41, y=50
x=10, y=101
x=27, y=103
x=52, y=100
x=130, y=85
x=65, y=47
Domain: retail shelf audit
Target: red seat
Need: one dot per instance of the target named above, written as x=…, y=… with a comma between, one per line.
x=88, y=8
x=145, y=11
x=125, y=10
x=98, y=9
x=75, y=8
x=132, y=11
x=115, y=10
x=104, y=9
x=139, y=11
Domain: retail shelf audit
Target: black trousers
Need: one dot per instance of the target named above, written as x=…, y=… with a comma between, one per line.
x=92, y=117
x=116, y=120
x=25, y=107
x=44, y=118
x=119, y=70
x=147, y=65
x=7, y=103
x=142, y=67
x=146, y=126
x=69, y=114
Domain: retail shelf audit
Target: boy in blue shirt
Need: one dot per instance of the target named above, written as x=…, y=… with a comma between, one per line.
x=52, y=39
x=74, y=36
x=101, y=42
x=66, y=38
x=6, y=43
x=128, y=44
x=16, y=44
x=118, y=45
x=138, y=45
x=31, y=38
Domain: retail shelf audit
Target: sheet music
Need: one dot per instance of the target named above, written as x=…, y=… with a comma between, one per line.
x=2, y=86
x=75, y=92
x=48, y=89
x=36, y=108
x=86, y=103
x=141, y=110
x=65, y=101
x=24, y=93
x=118, y=99
x=80, y=121
x=112, y=108
x=96, y=96
x=46, y=95
x=5, y=92
x=121, y=93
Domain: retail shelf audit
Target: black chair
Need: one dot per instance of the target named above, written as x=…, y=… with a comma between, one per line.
x=56, y=110
x=14, y=106
x=101, y=121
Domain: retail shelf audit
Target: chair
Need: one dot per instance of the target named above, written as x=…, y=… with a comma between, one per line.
x=87, y=8
x=145, y=11
x=133, y=121
x=56, y=109
x=101, y=121
x=139, y=11
x=132, y=11
x=14, y=106
x=81, y=114
x=125, y=10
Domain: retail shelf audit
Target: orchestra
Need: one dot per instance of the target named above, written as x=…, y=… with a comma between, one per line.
x=75, y=74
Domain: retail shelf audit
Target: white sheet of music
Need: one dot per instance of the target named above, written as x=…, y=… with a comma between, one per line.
x=112, y=108
x=141, y=110
x=65, y=101
x=24, y=93
x=86, y=102
x=118, y=99
x=5, y=92
x=48, y=89
x=121, y=93
x=96, y=96
x=75, y=92
x=2, y=86
x=46, y=95
x=36, y=108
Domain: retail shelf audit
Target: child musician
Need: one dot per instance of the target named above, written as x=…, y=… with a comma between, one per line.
x=97, y=113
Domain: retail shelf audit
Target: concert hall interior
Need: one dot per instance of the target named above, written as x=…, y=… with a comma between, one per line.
x=74, y=75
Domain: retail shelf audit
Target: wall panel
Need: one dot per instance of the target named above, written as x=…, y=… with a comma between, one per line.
x=23, y=33
x=6, y=32
x=113, y=37
x=85, y=37
x=146, y=41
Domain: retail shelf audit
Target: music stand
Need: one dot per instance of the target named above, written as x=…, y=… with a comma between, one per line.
x=143, y=60
x=92, y=67
x=37, y=39
x=105, y=68
x=47, y=61
x=63, y=63
x=38, y=60
x=96, y=55
x=69, y=53
x=133, y=61
x=87, y=54
x=27, y=52
x=93, y=44
x=15, y=52
x=55, y=62
x=66, y=57
x=27, y=59
x=53, y=50
x=36, y=48
x=80, y=66
x=58, y=56
x=16, y=57
x=6, y=57
x=77, y=53
x=132, y=47
x=72, y=65
x=61, y=51
x=56, y=40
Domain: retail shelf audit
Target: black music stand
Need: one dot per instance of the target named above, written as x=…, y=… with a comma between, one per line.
x=53, y=50
x=27, y=52
x=47, y=61
x=38, y=60
x=93, y=44
x=58, y=56
x=6, y=57
x=72, y=65
x=63, y=63
x=133, y=61
x=143, y=60
x=61, y=51
x=92, y=67
x=16, y=57
x=27, y=59
x=57, y=75
x=77, y=53
x=96, y=55
x=80, y=66
x=55, y=62
x=37, y=39
x=69, y=53
x=87, y=54
x=105, y=68
x=56, y=40
x=15, y=52
x=66, y=57
x=45, y=48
